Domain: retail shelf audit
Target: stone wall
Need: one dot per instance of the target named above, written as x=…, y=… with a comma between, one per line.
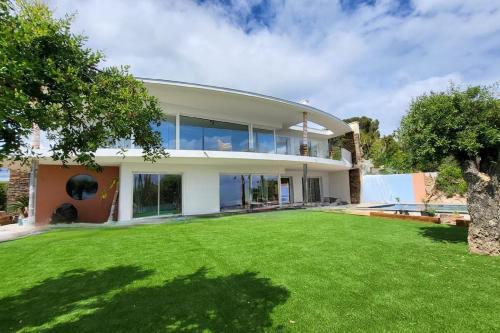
x=19, y=184
x=355, y=185
x=351, y=142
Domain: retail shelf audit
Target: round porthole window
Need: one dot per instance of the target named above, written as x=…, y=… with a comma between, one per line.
x=81, y=187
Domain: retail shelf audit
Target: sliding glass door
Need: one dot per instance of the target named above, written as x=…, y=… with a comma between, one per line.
x=234, y=191
x=156, y=194
x=286, y=190
x=248, y=191
x=264, y=190
x=313, y=190
x=170, y=194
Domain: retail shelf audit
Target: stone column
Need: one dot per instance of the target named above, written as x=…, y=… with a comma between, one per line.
x=304, y=147
x=19, y=183
x=35, y=137
x=355, y=185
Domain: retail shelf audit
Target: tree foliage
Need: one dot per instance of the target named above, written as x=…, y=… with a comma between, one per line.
x=384, y=151
x=369, y=133
x=464, y=124
x=49, y=78
x=449, y=179
x=386, y=154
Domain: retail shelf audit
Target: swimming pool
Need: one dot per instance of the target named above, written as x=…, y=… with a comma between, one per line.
x=420, y=207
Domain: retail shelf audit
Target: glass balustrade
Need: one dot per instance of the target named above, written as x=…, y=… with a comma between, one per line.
x=204, y=134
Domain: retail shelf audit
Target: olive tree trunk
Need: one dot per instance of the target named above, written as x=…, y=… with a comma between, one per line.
x=483, y=202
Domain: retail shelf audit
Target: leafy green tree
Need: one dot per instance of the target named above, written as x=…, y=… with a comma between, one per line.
x=369, y=133
x=387, y=154
x=449, y=179
x=48, y=78
x=3, y=196
x=464, y=124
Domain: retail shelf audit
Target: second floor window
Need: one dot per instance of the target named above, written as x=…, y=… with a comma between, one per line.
x=263, y=140
x=203, y=134
x=167, y=132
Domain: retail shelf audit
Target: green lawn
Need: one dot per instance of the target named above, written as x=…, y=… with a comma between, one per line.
x=294, y=271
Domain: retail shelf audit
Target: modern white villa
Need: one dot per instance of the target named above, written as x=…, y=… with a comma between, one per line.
x=229, y=150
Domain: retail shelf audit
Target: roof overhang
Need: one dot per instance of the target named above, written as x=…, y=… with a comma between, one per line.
x=240, y=106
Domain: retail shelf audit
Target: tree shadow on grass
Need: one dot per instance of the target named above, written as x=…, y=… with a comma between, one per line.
x=189, y=303
x=445, y=234
x=63, y=294
x=195, y=302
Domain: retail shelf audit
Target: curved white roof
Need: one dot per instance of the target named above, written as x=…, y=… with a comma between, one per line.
x=233, y=104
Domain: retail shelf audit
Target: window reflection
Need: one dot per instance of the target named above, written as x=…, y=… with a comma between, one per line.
x=263, y=140
x=234, y=191
x=248, y=191
x=202, y=134
x=167, y=132
x=283, y=145
x=264, y=190
x=156, y=194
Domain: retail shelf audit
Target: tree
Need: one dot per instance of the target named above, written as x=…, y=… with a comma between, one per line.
x=449, y=179
x=369, y=133
x=49, y=79
x=464, y=124
x=386, y=153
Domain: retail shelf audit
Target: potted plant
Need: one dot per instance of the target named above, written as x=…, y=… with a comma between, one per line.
x=397, y=206
x=19, y=208
x=428, y=212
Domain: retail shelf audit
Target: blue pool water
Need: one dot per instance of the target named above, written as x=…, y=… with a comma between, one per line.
x=420, y=207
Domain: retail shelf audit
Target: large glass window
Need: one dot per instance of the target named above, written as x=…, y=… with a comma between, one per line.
x=263, y=140
x=313, y=189
x=248, y=191
x=167, y=132
x=203, y=134
x=264, y=190
x=283, y=145
x=156, y=194
x=170, y=194
x=145, y=202
x=318, y=148
x=234, y=191
x=290, y=145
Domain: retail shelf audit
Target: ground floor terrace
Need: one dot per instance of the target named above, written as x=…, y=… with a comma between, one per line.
x=288, y=271
x=155, y=190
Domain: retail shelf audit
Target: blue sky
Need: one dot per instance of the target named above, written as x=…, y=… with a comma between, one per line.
x=359, y=57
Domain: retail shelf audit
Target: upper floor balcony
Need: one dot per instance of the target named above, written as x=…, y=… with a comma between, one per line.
x=191, y=133
x=225, y=121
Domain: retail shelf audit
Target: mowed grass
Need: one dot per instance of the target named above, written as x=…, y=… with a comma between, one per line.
x=293, y=271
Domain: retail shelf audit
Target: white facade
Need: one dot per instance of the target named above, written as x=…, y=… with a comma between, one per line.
x=270, y=124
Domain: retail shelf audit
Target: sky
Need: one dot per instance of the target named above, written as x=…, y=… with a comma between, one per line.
x=348, y=58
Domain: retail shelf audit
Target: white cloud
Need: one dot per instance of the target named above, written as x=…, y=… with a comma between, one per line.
x=359, y=62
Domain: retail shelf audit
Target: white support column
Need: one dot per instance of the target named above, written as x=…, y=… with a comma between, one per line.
x=125, y=198
x=32, y=193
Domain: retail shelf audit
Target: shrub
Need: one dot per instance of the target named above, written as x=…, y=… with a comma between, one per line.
x=20, y=206
x=3, y=196
x=449, y=179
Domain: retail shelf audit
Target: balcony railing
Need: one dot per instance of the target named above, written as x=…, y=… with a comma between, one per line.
x=334, y=153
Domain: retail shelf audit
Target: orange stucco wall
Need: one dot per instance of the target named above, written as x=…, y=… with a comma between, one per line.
x=51, y=193
x=419, y=186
